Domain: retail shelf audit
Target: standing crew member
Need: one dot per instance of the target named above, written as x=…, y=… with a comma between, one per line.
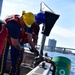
x=3, y=41
x=15, y=25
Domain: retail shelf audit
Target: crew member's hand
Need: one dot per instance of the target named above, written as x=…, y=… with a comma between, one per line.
x=21, y=49
x=35, y=51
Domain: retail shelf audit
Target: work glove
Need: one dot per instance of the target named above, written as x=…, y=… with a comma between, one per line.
x=36, y=52
x=31, y=49
x=21, y=51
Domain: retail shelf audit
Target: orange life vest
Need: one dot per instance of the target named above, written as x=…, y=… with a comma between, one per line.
x=15, y=18
x=3, y=36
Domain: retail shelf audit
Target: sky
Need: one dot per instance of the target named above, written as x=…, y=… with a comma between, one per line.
x=64, y=29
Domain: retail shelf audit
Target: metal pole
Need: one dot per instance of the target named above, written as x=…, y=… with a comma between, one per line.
x=43, y=36
x=1, y=1
x=42, y=44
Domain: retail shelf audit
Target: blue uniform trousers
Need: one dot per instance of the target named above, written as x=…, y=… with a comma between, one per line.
x=16, y=59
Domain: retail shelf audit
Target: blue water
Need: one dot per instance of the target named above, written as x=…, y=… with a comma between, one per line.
x=70, y=56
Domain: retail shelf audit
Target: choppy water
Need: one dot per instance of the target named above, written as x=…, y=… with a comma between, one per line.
x=70, y=56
